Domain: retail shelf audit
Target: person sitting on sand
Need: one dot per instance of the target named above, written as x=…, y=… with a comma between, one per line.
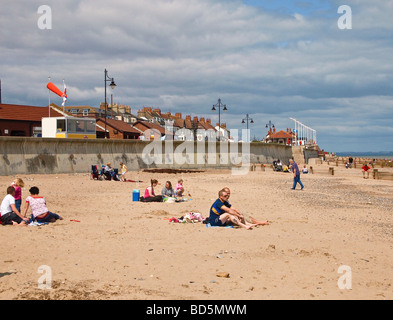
x=365, y=170
x=108, y=171
x=241, y=216
x=221, y=213
x=150, y=195
x=305, y=170
x=39, y=210
x=167, y=191
x=9, y=213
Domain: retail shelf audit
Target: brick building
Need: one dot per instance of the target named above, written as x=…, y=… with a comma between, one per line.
x=22, y=120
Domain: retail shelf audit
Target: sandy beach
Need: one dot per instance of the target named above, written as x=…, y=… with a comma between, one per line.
x=109, y=247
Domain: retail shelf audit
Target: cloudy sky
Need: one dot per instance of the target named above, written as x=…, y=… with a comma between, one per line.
x=269, y=59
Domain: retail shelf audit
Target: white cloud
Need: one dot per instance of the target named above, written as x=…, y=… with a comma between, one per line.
x=183, y=55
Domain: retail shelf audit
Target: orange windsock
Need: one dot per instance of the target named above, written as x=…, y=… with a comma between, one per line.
x=54, y=89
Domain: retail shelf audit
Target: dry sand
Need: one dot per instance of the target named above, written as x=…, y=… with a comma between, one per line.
x=122, y=249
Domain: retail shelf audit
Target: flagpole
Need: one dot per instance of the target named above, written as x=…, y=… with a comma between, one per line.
x=49, y=98
x=63, y=97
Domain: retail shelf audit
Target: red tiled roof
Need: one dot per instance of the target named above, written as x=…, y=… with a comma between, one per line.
x=281, y=135
x=25, y=113
x=207, y=126
x=118, y=125
x=154, y=126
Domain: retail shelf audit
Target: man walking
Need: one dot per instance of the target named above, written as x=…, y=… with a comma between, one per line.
x=296, y=174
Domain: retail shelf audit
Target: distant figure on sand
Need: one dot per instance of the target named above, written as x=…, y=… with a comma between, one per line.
x=18, y=184
x=123, y=171
x=350, y=161
x=221, y=213
x=305, y=170
x=39, y=210
x=296, y=174
x=241, y=216
x=10, y=215
x=365, y=170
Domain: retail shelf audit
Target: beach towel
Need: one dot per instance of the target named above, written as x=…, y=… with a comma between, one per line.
x=36, y=223
x=170, y=199
x=208, y=225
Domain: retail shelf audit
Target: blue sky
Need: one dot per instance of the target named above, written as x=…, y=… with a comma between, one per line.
x=270, y=59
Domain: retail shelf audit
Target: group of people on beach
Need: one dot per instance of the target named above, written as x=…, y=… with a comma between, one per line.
x=222, y=213
x=166, y=192
x=365, y=168
x=10, y=210
x=112, y=174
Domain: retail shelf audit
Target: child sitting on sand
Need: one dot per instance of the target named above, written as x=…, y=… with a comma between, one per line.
x=39, y=210
x=179, y=188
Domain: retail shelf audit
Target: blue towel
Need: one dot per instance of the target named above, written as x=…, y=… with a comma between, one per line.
x=208, y=225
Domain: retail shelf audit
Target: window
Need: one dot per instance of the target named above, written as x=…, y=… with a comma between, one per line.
x=74, y=111
x=86, y=112
x=61, y=125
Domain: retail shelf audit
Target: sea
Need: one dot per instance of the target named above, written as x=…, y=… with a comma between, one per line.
x=365, y=155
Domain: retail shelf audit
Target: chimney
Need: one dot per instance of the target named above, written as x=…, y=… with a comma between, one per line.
x=178, y=115
x=208, y=121
x=195, y=119
x=202, y=120
x=157, y=111
x=223, y=125
x=188, y=118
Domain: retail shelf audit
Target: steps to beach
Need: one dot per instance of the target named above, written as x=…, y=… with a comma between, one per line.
x=298, y=154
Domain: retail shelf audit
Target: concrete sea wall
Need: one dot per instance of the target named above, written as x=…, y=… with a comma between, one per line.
x=20, y=155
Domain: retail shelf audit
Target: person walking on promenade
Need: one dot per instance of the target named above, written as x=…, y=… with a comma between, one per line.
x=296, y=174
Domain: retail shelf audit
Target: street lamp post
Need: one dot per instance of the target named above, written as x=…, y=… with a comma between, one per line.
x=270, y=125
x=219, y=105
x=246, y=120
x=112, y=85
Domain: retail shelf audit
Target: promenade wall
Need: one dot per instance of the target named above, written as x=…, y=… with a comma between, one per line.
x=21, y=155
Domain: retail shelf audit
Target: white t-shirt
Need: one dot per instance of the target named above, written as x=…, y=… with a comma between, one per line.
x=6, y=204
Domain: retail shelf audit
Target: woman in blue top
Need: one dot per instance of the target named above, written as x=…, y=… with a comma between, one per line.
x=221, y=213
